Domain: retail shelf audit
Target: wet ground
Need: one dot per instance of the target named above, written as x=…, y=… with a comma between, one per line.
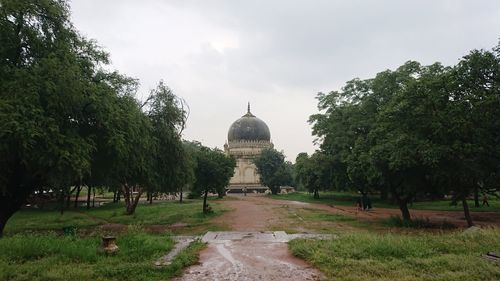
x=253, y=252
x=249, y=256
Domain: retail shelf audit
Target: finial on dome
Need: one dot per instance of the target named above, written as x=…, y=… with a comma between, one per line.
x=248, y=114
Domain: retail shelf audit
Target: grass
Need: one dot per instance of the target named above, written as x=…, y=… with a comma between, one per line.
x=51, y=257
x=419, y=223
x=350, y=199
x=370, y=256
x=305, y=219
x=164, y=213
x=330, y=198
x=34, y=249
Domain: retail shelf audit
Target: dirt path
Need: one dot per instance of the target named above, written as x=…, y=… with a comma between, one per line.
x=260, y=212
x=454, y=217
x=250, y=259
x=254, y=259
x=250, y=213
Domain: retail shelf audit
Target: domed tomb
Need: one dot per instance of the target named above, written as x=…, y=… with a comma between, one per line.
x=246, y=139
x=250, y=128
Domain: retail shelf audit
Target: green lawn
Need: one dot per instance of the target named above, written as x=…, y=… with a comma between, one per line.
x=33, y=247
x=349, y=199
x=403, y=257
x=155, y=214
x=50, y=257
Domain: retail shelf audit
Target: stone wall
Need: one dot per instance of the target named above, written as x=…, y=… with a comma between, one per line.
x=245, y=173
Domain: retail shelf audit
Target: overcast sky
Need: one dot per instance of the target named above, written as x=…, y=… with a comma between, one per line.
x=277, y=55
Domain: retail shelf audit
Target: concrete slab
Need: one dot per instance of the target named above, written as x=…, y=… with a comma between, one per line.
x=261, y=236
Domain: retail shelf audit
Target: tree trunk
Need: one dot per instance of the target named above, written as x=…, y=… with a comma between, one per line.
x=130, y=201
x=18, y=187
x=316, y=194
x=205, y=202
x=77, y=195
x=93, y=197
x=63, y=197
x=4, y=217
x=180, y=196
x=68, y=198
x=88, y=197
x=405, y=213
x=8, y=207
x=476, y=196
x=150, y=198
x=466, y=212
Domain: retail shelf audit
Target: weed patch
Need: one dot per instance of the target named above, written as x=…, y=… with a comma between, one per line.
x=54, y=257
x=422, y=223
x=368, y=256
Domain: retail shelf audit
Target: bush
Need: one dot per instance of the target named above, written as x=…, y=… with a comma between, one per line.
x=397, y=221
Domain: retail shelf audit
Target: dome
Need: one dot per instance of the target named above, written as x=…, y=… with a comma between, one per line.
x=250, y=128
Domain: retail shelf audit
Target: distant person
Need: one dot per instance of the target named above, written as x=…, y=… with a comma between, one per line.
x=359, y=204
x=367, y=203
x=485, y=200
x=245, y=191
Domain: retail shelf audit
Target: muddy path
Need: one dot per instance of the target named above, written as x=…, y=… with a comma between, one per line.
x=261, y=212
x=250, y=213
x=250, y=259
x=247, y=259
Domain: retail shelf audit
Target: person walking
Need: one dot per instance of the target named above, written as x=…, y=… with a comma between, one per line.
x=359, y=204
x=485, y=200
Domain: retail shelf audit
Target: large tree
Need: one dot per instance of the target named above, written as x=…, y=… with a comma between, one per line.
x=417, y=130
x=51, y=84
x=65, y=121
x=273, y=170
x=212, y=171
x=314, y=173
x=472, y=131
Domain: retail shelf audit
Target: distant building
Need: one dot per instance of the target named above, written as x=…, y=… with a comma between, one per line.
x=246, y=139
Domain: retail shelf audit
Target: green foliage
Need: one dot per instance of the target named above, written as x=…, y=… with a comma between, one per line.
x=212, y=171
x=314, y=173
x=170, y=165
x=66, y=121
x=417, y=223
x=273, y=170
x=403, y=257
x=415, y=131
x=350, y=199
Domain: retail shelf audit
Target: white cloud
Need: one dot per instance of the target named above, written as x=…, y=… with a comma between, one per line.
x=218, y=55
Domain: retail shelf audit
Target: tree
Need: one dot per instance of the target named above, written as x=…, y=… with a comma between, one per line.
x=273, y=170
x=416, y=131
x=300, y=170
x=65, y=122
x=213, y=170
x=314, y=172
x=378, y=130
x=170, y=163
x=50, y=84
x=472, y=131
